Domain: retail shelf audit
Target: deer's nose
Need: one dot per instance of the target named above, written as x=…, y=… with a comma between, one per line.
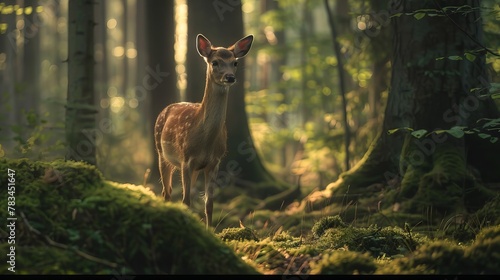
x=230, y=78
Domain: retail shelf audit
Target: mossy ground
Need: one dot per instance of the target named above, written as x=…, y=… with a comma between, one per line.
x=121, y=228
x=73, y=221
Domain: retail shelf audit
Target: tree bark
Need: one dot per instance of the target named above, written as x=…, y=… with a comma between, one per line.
x=80, y=105
x=438, y=171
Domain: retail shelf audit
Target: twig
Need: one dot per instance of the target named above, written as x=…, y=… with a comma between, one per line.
x=66, y=247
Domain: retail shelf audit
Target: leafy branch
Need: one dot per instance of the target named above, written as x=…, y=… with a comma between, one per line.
x=484, y=128
x=446, y=11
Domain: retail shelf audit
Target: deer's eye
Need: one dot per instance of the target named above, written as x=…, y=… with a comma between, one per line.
x=235, y=63
x=215, y=63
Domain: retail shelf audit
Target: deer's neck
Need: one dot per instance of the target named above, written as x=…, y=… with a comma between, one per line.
x=213, y=107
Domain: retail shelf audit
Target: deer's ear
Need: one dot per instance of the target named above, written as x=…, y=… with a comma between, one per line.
x=203, y=45
x=241, y=48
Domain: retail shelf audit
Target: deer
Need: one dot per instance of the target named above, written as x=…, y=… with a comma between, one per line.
x=191, y=137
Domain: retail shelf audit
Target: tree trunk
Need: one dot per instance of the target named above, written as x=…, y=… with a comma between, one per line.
x=80, y=105
x=439, y=171
x=342, y=87
x=159, y=76
x=8, y=96
x=379, y=50
x=30, y=96
x=209, y=25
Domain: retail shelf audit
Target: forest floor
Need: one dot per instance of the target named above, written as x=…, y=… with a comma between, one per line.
x=73, y=221
x=370, y=243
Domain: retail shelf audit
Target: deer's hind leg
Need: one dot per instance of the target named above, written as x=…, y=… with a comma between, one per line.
x=166, y=171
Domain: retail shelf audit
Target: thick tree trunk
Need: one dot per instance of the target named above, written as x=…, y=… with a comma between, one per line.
x=438, y=171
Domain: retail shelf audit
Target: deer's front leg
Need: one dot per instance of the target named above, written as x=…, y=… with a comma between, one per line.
x=189, y=177
x=210, y=183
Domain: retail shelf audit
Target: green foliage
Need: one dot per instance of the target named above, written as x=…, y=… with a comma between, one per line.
x=442, y=11
x=493, y=91
x=126, y=225
x=300, y=110
x=484, y=128
x=344, y=262
x=32, y=139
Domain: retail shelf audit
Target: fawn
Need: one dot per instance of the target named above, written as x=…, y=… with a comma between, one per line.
x=192, y=137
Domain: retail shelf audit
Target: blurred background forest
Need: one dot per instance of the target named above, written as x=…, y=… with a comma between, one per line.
x=292, y=81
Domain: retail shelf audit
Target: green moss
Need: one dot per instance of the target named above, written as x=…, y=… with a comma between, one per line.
x=446, y=257
x=282, y=237
x=488, y=233
x=70, y=203
x=440, y=257
x=52, y=260
x=387, y=241
x=437, y=257
x=128, y=225
x=344, y=262
x=269, y=256
x=490, y=213
x=262, y=253
x=287, y=241
x=325, y=223
x=483, y=256
x=237, y=234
